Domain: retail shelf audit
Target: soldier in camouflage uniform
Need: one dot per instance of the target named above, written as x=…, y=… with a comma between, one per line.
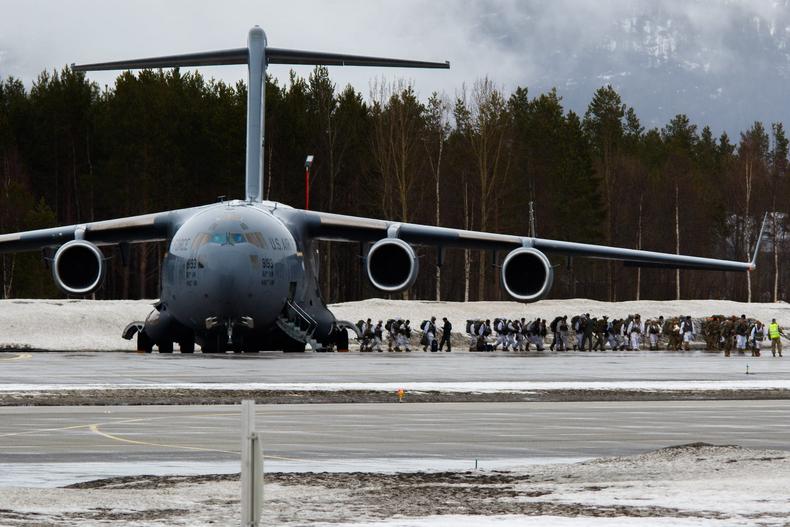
x=727, y=333
x=673, y=328
x=710, y=331
x=601, y=328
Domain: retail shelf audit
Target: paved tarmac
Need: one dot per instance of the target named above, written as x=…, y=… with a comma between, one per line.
x=38, y=442
x=74, y=368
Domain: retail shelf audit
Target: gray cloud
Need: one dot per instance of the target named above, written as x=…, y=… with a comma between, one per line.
x=723, y=62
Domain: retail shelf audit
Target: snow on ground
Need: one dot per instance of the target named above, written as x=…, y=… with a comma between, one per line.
x=97, y=325
x=692, y=485
x=459, y=312
x=442, y=387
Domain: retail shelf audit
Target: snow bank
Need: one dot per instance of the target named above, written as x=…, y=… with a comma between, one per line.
x=97, y=324
x=444, y=387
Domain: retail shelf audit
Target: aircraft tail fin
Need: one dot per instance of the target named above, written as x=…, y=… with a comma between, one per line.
x=758, y=242
x=257, y=56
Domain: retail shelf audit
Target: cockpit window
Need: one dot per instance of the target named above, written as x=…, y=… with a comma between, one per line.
x=255, y=238
x=236, y=237
x=219, y=237
x=200, y=240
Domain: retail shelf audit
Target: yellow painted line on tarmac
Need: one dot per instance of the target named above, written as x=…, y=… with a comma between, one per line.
x=95, y=429
x=19, y=356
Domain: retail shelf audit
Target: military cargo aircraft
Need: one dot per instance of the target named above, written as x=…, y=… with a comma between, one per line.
x=243, y=274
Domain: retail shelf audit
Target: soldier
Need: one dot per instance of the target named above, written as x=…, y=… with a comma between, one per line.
x=612, y=332
x=601, y=326
x=555, y=332
x=587, y=338
x=378, y=334
x=775, y=334
x=544, y=331
x=513, y=334
x=404, y=335
x=563, y=327
x=709, y=326
x=653, y=331
x=482, y=333
x=687, y=328
x=521, y=337
x=741, y=334
x=667, y=330
x=501, y=333
x=393, y=328
x=727, y=333
x=447, y=330
x=756, y=336
x=366, y=329
x=578, y=330
x=428, y=334
x=635, y=330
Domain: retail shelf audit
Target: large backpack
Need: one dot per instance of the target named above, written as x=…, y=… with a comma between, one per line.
x=553, y=325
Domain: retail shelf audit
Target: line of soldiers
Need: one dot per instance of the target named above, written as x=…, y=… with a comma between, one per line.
x=723, y=333
x=514, y=334
x=399, y=334
x=586, y=333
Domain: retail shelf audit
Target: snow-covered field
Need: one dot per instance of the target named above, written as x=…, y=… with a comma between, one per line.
x=693, y=485
x=97, y=325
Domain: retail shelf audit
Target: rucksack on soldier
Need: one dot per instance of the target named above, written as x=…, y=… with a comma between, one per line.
x=553, y=325
x=388, y=325
x=360, y=325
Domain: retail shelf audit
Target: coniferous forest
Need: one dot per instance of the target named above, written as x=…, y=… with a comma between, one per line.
x=72, y=152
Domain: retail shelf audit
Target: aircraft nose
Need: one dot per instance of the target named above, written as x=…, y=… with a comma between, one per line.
x=225, y=270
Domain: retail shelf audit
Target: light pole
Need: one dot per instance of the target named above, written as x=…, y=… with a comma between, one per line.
x=307, y=164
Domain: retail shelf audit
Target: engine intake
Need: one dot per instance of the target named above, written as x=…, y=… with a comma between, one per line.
x=78, y=268
x=527, y=275
x=392, y=265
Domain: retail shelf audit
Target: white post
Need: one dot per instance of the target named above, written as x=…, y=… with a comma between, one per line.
x=251, y=468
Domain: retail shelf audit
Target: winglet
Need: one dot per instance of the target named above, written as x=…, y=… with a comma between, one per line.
x=753, y=263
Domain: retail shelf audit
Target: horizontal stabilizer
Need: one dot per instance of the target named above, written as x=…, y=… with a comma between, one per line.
x=273, y=56
x=206, y=58
x=296, y=56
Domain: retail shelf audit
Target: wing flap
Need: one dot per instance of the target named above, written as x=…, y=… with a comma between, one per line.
x=134, y=229
x=337, y=227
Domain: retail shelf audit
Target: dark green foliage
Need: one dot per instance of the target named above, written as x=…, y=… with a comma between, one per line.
x=160, y=140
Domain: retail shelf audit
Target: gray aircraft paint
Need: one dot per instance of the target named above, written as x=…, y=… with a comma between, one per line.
x=248, y=266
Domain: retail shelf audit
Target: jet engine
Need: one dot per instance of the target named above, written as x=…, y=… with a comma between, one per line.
x=527, y=275
x=392, y=265
x=78, y=267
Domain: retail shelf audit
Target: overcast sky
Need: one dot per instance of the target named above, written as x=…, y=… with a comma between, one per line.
x=664, y=56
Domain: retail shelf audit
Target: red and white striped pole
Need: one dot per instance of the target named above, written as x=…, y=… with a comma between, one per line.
x=307, y=163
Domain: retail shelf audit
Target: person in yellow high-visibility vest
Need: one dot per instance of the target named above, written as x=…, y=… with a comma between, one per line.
x=775, y=334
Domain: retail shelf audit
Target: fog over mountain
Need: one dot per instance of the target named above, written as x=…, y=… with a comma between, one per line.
x=723, y=62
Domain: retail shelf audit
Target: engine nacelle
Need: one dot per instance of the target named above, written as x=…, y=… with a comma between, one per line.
x=527, y=275
x=78, y=268
x=392, y=265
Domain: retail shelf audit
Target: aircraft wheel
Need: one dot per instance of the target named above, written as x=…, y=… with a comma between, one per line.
x=166, y=347
x=187, y=346
x=144, y=344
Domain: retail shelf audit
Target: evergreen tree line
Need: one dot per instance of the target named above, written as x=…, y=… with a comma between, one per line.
x=71, y=152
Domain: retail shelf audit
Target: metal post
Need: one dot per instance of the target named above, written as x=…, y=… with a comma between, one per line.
x=251, y=468
x=307, y=164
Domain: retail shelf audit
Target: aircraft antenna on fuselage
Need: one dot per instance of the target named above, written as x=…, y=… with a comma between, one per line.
x=257, y=55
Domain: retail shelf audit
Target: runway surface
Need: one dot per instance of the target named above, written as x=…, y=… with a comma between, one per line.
x=76, y=368
x=47, y=446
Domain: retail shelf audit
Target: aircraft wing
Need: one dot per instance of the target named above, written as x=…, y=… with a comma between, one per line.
x=325, y=226
x=145, y=228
